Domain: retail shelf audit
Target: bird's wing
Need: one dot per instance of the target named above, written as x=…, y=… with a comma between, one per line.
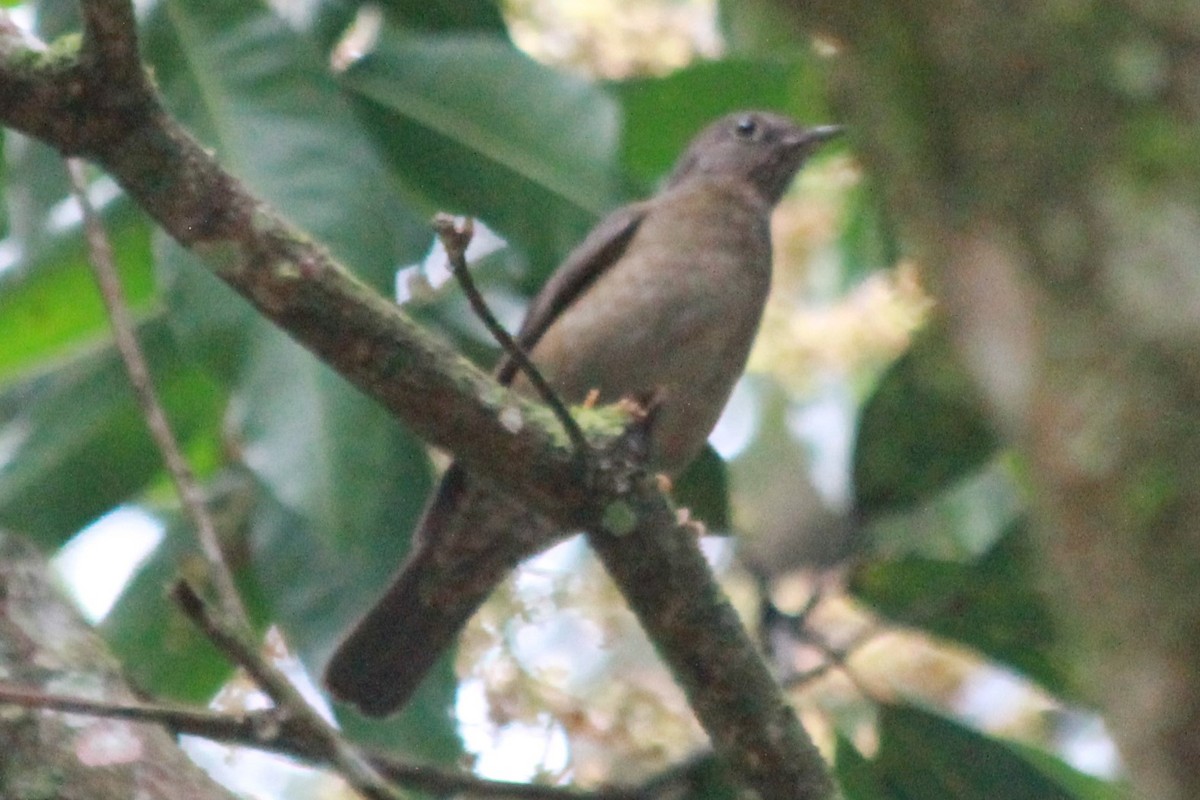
x=596, y=253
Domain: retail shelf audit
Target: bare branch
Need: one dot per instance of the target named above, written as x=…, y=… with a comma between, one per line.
x=455, y=239
x=110, y=42
x=663, y=576
x=349, y=762
x=100, y=256
x=283, y=736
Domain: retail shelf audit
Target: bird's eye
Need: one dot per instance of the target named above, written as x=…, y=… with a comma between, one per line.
x=747, y=127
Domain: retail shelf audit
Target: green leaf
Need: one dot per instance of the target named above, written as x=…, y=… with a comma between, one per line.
x=331, y=18
x=328, y=452
x=856, y=775
x=49, y=303
x=162, y=652
x=247, y=85
x=79, y=442
x=921, y=430
x=703, y=489
x=923, y=755
x=868, y=241
x=1078, y=784
x=472, y=125
x=992, y=604
x=452, y=15
x=663, y=114
x=277, y=117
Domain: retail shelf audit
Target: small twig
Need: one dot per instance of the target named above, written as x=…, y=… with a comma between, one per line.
x=835, y=658
x=455, y=237
x=200, y=722
x=100, y=255
x=110, y=39
x=349, y=762
x=250, y=730
x=840, y=659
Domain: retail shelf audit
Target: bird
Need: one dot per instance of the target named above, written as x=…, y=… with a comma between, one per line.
x=661, y=299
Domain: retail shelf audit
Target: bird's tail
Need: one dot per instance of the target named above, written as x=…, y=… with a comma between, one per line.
x=388, y=653
x=467, y=543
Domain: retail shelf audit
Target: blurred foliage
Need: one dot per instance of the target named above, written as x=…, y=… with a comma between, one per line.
x=989, y=603
x=316, y=487
x=924, y=755
x=922, y=429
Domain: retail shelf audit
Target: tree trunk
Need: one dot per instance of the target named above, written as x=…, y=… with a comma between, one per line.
x=1045, y=159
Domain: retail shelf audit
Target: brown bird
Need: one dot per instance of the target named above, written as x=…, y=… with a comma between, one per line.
x=663, y=298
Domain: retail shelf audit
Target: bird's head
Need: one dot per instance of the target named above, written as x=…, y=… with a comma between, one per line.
x=766, y=149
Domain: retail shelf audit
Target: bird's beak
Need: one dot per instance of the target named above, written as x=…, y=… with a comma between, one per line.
x=810, y=138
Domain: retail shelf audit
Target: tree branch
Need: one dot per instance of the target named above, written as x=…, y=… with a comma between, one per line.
x=100, y=256
x=455, y=240
x=270, y=731
x=350, y=763
x=110, y=42
x=696, y=631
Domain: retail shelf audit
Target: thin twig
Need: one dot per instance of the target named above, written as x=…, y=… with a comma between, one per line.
x=110, y=40
x=455, y=237
x=835, y=658
x=350, y=763
x=197, y=721
x=280, y=736
x=100, y=255
x=797, y=624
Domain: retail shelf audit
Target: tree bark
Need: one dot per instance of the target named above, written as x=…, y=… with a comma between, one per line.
x=45, y=644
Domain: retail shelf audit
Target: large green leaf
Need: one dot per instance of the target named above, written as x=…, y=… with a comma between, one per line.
x=79, y=442
x=922, y=429
x=923, y=756
x=662, y=114
x=472, y=125
x=279, y=119
x=247, y=85
x=328, y=452
x=331, y=19
x=992, y=604
x=453, y=15
x=856, y=775
x=49, y=303
x=162, y=652
x=703, y=489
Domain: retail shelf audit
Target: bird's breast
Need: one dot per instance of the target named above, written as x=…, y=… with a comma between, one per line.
x=674, y=316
